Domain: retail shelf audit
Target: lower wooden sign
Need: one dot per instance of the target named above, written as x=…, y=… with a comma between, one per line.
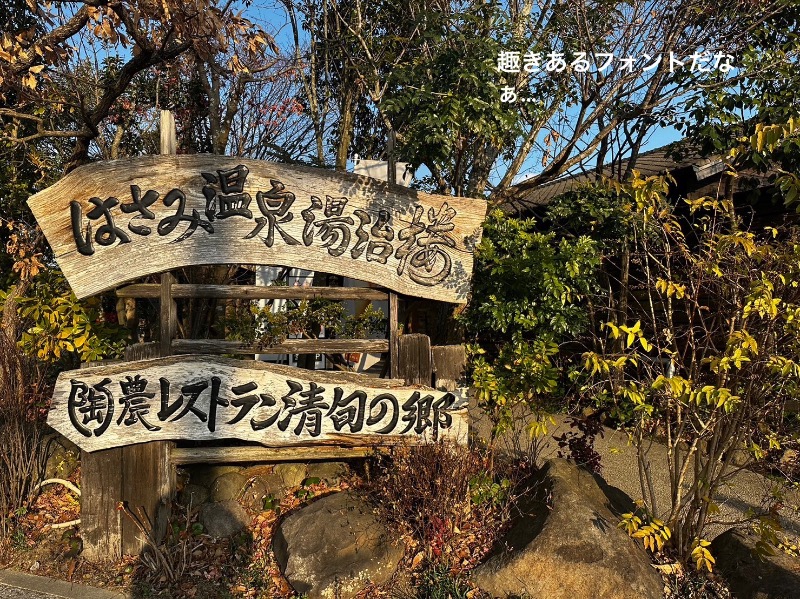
x=206, y=398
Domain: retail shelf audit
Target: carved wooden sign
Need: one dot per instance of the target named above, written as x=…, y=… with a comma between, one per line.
x=205, y=398
x=111, y=222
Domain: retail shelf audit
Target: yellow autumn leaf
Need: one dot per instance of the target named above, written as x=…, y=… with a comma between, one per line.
x=29, y=80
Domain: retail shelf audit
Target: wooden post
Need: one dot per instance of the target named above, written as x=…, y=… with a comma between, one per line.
x=147, y=484
x=391, y=169
x=101, y=490
x=148, y=476
x=169, y=138
x=393, y=344
x=414, y=357
x=168, y=313
x=449, y=366
x=141, y=475
x=101, y=524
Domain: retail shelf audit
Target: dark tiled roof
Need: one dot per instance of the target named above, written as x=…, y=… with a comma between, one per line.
x=524, y=196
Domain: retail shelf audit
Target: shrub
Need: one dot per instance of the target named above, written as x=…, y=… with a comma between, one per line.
x=25, y=449
x=705, y=354
x=528, y=295
x=447, y=501
x=437, y=583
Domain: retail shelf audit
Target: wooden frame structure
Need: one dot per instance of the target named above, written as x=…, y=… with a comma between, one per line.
x=143, y=475
x=168, y=291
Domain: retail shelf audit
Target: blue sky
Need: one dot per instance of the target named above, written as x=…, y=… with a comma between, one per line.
x=272, y=16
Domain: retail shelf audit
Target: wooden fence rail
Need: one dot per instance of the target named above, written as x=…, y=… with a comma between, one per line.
x=289, y=346
x=186, y=290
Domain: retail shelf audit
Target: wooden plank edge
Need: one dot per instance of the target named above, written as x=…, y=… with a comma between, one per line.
x=223, y=455
x=290, y=346
x=185, y=291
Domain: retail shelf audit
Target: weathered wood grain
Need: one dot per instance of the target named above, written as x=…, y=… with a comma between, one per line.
x=101, y=521
x=289, y=346
x=449, y=366
x=184, y=290
x=169, y=137
x=141, y=351
x=168, y=317
x=414, y=359
x=148, y=482
x=394, y=368
x=206, y=398
x=245, y=454
x=272, y=214
x=142, y=475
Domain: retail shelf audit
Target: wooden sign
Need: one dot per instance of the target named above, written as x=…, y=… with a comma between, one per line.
x=205, y=398
x=111, y=222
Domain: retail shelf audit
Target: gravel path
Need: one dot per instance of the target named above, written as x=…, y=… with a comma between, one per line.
x=7, y=592
x=19, y=585
x=619, y=467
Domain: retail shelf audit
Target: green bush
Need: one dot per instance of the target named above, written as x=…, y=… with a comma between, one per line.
x=529, y=294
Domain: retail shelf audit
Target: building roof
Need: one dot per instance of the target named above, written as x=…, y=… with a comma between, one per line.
x=525, y=196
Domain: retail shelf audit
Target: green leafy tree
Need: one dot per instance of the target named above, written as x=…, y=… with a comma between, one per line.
x=445, y=98
x=750, y=120
x=529, y=292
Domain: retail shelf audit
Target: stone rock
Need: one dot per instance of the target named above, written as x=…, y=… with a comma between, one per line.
x=330, y=472
x=228, y=486
x=253, y=496
x=741, y=457
x=223, y=519
x=565, y=544
x=776, y=577
x=261, y=470
x=193, y=496
x=292, y=474
x=272, y=481
x=274, y=485
x=334, y=547
x=205, y=475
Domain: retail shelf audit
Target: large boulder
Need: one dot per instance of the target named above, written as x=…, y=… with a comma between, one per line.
x=751, y=576
x=565, y=544
x=334, y=547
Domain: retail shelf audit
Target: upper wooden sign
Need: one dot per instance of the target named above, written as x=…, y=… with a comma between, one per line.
x=205, y=398
x=111, y=222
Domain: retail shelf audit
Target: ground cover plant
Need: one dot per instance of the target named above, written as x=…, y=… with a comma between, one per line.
x=444, y=503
